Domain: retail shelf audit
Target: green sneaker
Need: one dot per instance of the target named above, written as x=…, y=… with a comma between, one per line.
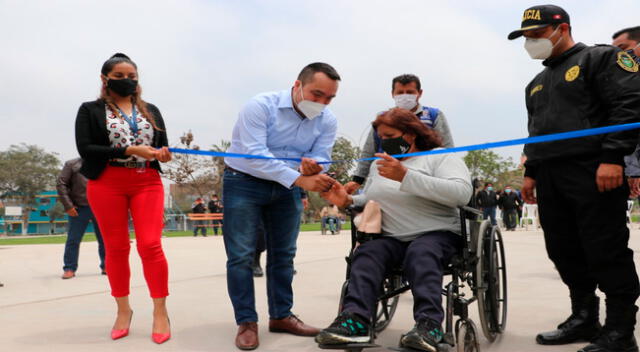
x=425, y=336
x=346, y=328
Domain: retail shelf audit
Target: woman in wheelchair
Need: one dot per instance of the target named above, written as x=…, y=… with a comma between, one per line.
x=419, y=199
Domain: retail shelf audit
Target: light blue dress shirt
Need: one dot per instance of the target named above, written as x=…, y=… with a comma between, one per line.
x=268, y=125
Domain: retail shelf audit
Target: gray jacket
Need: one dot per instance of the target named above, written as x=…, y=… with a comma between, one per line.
x=426, y=200
x=369, y=149
x=72, y=185
x=632, y=163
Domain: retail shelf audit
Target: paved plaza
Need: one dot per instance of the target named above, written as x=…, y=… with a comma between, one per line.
x=41, y=312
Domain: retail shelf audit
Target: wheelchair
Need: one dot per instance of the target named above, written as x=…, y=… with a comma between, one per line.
x=332, y=225
x=478, y=268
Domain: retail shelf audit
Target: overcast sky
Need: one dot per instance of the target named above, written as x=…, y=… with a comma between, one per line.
x=200, y=61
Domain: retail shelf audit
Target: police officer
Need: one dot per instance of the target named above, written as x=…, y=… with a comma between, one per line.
x=581, y=192
x=629, y=39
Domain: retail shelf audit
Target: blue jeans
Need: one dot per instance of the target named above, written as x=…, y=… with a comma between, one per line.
x=248, y=201
x=490, y=212
x=77, y=226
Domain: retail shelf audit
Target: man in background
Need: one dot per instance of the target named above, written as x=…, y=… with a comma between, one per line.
x=199, y=208
x=487, y=200
x=215, y=207
x=72, y=191
x=406, y=91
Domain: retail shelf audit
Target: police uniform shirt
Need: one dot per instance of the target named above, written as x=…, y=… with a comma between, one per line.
x=584, y=87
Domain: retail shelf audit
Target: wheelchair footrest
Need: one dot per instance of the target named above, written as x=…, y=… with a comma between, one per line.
x=347, y=346
x=442, y=347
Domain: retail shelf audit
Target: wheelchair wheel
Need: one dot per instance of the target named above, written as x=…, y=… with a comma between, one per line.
x=466, y=336
x=386, y=308
x=491, y=282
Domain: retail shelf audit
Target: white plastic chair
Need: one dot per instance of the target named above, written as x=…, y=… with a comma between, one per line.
x=529, y=212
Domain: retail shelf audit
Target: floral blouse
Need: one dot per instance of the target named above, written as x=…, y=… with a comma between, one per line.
x=121, y=134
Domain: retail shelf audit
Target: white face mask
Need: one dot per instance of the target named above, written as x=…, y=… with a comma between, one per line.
x=310, y=109
x=406, y=101
x=540, y=48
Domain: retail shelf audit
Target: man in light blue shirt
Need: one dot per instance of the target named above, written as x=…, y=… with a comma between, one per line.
x=292, y=124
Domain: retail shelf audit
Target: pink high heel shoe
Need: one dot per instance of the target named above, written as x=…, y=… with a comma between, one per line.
x=161, y=338
x=120, y=333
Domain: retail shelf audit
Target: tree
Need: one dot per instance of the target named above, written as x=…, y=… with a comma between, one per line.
x=194, y=172
x=54, y=213
x=219, y=164
x=25, y=171
x=487, y=166
x=347, y=153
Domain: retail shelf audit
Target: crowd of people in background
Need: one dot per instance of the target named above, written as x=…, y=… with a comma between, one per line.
x=508, y=201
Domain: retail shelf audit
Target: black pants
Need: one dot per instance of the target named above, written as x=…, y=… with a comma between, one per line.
x=585, y=231
x=199, y=225
x=260, y=244
x=422, y=260
x=510, y=217
x=216, y=224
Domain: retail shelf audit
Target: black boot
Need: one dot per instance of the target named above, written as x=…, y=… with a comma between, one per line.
x=617, y=334
x=582, y=325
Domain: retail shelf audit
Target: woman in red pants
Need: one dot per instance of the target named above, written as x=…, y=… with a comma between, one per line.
x=122, y=139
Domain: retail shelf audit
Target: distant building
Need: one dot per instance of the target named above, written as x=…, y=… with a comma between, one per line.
x=39, y=221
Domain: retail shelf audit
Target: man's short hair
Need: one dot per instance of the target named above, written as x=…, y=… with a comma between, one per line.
x=634, y=33
x=306, y=75
x=406, y=79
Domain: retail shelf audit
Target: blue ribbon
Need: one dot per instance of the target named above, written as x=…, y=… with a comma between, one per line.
x=507, y=143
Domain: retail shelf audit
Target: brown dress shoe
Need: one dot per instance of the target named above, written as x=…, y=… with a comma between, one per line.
x=68, y=274
x=292, y=325
x=247, y=337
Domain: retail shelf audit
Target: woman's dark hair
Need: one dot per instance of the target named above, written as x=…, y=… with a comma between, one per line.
x=117, y=58
x=136, y=98
x=408, y=122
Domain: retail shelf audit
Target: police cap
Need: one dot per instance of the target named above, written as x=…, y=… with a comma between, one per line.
x=540, y=16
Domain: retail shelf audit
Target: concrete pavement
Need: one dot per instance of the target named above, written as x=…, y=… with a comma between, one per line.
x=41, y=312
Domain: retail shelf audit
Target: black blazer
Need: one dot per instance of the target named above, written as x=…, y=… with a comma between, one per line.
x=92, y=138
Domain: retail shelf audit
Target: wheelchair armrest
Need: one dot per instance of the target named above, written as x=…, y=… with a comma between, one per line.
x=353, y=209
x=470, y=213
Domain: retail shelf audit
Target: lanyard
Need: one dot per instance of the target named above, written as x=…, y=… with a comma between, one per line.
x=132, y=121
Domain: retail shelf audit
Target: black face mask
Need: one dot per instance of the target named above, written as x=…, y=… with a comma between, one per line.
x=394, y=146
x=123, y=87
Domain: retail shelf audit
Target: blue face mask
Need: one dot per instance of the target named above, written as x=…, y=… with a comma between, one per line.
x=507, y=191
x=489, y=189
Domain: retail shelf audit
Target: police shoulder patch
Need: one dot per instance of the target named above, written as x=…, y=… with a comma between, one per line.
x=572, y=73
x=535, y=90
x=627, y=62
